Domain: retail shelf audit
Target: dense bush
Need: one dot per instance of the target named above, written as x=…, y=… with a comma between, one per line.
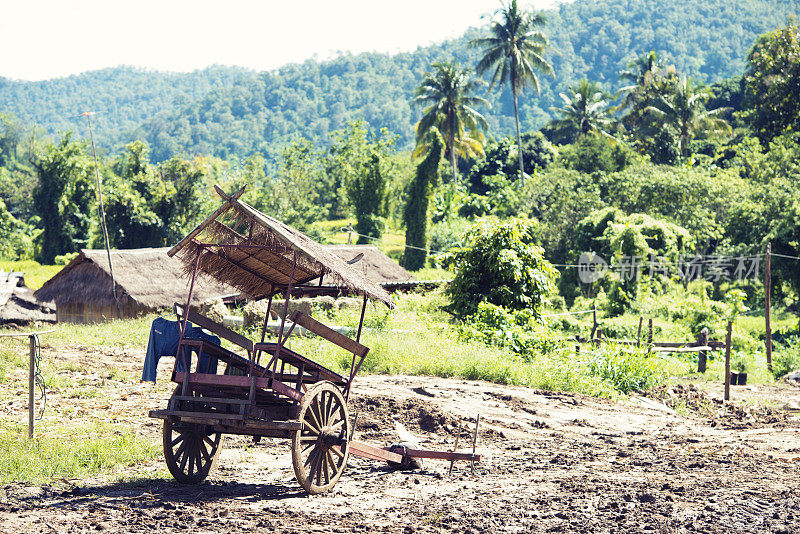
x=628, y=371
x=519, y=331
x=499, y=263
x=596, y=153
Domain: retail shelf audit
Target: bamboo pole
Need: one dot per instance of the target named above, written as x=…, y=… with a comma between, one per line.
x=728, y=362
x=88, y=115
x=767, y=288
x=455, y=448
x=475, y=441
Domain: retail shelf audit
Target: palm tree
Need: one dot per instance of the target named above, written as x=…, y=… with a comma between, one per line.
x=641, y=71
x=515, y=52
x=448, y=94
x=648, y=81
x=685, y=110
x=585, y=110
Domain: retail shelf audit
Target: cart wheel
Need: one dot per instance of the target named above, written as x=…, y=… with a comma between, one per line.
x=321, y=446
x=190, y=451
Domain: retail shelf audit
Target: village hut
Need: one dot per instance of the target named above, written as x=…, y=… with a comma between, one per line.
x=373, y=263
x=146, y=280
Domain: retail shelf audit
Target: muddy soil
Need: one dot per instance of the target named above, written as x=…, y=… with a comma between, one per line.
x=674, y=461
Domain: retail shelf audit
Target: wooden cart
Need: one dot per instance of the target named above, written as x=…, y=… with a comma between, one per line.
x=267, y=389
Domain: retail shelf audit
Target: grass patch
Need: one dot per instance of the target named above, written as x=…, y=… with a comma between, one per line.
x=123, y=333
x=12, y=357
x=418, y=339
x=68, y=452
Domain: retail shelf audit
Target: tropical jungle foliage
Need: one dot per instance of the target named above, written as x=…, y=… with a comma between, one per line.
x=694, y=158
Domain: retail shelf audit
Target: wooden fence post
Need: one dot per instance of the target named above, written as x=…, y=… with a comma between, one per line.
x=728, y=362
x=767, y=326
x=650, y=331
x=639, y=333
x=702, y=341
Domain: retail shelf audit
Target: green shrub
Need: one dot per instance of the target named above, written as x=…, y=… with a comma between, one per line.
x=786, y=356
x=518, y=331
x=628, y=370
x=593, y=153
x=445, y=236
x=500, y=264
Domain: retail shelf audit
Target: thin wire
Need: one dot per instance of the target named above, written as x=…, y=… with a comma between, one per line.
x=689, y=261
x=572, y=265
x=784, y=256
x=430, y=251
x=567, y=313
x=37, y=374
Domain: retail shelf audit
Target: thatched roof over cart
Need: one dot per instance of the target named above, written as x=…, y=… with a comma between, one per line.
x=231, y=247
x=146, y=276
x=372, y=262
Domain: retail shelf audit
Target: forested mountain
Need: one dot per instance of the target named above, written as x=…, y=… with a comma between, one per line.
x=126, y=97
x=231, y=112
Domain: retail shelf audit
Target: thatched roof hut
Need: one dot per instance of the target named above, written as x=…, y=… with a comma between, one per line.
x=373, y=263
x=147, y=280
x=259, y=255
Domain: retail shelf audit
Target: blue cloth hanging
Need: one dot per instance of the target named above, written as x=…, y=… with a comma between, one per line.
x=164, y=337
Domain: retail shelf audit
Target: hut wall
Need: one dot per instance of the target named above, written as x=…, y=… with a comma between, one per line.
x=89, y=313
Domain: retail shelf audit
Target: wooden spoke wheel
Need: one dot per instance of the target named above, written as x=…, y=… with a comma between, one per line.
x=321, y=446
x=189, y=449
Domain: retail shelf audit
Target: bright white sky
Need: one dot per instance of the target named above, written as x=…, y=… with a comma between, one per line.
x=43, y=39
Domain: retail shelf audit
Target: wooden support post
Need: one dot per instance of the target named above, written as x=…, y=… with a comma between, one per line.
x=728, y=362
x=639, y=333
x=455, y=448
x=475, y=441
x=767, y=288
x=594, y=321
x=31, y=377
x=650, y=331
x=702, y=341
x=355, y=424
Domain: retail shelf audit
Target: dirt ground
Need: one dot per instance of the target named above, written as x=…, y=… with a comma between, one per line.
x=678, y=460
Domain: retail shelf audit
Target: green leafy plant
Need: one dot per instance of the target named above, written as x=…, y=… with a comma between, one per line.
x=518, y=331
x=499, y=263
x=628, y=370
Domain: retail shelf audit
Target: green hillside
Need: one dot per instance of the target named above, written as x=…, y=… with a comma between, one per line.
x=231, y=112
x=126, y=97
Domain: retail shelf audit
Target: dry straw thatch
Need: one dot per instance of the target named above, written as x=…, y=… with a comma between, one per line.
x=230, y=248
x=147, y=279
x=374, y=263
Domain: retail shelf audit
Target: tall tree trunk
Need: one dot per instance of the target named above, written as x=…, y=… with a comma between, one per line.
x=453, y=162
x=519, y=137
x=452, y=131
x=684, y=139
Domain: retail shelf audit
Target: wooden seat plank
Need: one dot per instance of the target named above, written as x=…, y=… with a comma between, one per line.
x=292, y=358
x=309, y=323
